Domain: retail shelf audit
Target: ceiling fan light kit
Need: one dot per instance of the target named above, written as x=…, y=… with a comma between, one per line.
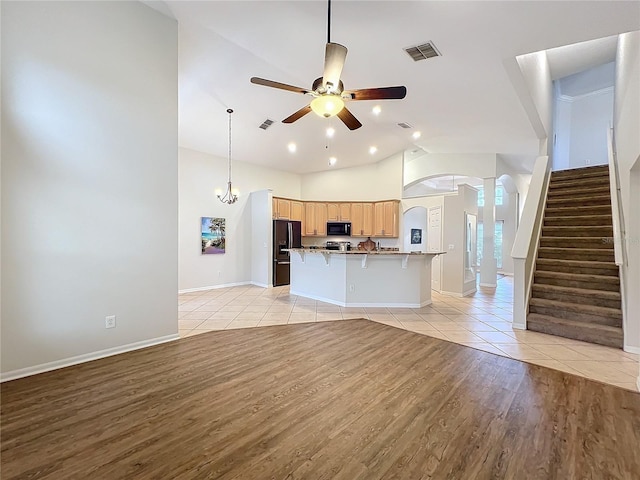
x=328, y=90
x=327, y=105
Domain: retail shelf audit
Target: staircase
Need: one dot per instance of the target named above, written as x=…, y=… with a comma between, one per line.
x=576, y=287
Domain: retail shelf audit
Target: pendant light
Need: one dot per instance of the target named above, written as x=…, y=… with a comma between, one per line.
x=228, y=197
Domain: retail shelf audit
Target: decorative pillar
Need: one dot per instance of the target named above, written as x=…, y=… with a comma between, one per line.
x=488, y=268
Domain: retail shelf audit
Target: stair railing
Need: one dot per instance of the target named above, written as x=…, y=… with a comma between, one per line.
x=619, y=247
x=525, y=245
x=617, y=220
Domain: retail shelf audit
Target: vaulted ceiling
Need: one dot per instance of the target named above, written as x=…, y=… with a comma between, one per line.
x=462, y=101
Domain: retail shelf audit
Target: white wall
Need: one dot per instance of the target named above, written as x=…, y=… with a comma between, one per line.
x=89, y=181
x=627, y=126
x=581, y=129
x=200, y=175
x=537, y=77
x=415, y=218
x=377, y=181
x=480, y=165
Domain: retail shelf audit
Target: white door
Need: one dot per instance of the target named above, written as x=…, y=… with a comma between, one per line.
x=434, y=239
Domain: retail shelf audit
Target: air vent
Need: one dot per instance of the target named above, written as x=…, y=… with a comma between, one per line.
x=266, y=124
x=404, y=125
x=422, y=52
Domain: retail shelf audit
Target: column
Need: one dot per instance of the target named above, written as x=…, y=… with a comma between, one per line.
x=488, y=269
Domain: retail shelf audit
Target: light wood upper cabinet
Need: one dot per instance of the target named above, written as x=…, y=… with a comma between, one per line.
x=321, y=219
x=361, y=219
x=297, y=211
x=315, y=219
x=281, y=208
x=333, y=212
x=368, y=219
x=339, y=212
x=386, y=218
x=345, y=212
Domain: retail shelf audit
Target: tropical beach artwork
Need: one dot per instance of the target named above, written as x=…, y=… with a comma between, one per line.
x=213, y=238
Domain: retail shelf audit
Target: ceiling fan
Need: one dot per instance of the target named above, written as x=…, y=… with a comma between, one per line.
x=328, y=91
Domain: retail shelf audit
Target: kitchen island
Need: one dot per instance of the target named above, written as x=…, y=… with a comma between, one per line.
x=359, y=278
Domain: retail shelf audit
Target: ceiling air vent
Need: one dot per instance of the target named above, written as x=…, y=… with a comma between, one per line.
x=404, y=125
x=266, y=124
x=422, y=52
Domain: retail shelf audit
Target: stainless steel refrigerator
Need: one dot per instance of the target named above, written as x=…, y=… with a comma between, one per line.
x=286, y=234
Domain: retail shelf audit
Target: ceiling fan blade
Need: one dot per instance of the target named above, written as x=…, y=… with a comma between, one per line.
x=281, y=86
x=334, y=57
x=348, y=119
x=382, y=93
x=297, y=115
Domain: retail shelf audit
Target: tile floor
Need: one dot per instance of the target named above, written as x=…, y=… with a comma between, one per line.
x=482, y=321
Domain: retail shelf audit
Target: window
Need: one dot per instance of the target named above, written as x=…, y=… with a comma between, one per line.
x=499, y=194
x=498, y=199
x=497, y=252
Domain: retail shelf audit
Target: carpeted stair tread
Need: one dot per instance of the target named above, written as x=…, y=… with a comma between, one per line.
x=598, y=298
x=577, y=231
x=574, y=210
x=598, y=170
x=574, y=266
x=575, y=280
x=578, y=307
x=591, y=254
x=578, y=220
x=593, y=333
x=582, y=276
x=579, y=192
x=561, y=183
x=595, y=243
x=582, y=200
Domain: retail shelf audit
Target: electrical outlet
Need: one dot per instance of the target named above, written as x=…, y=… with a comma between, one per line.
x=451, y=246
x=352, y=288
x=110, y=321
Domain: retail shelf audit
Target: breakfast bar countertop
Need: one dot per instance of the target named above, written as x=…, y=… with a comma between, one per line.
x=360, y=252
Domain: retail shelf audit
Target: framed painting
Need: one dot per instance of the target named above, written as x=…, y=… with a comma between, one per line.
x=212, y=231
x=416, y=236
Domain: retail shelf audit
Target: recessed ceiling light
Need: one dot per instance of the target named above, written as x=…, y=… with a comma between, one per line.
x=332, y=161
x=292, y=147
x=373, y=150
x=376, y=110
x=330, y=132
x=416, y=135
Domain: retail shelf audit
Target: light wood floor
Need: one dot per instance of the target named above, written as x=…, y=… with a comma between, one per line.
x=351, y=399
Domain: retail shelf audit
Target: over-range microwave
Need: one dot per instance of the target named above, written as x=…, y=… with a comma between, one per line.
x=339, y=228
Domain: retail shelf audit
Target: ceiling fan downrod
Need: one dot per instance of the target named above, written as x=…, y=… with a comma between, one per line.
x=329, y=22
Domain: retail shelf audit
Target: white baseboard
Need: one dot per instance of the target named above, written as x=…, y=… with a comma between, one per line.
x=458, y=294
x=360, y=305
x=258, y=284
x=87, y=357
x=630, y=349
x=213, y=287
x=490, y=285
x=451, y=294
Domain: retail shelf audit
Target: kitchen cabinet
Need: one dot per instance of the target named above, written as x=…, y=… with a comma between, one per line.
x=281, y=208
x=315, y=219
x=386, y=218
x=297, y=211
x=339, y=212
x=361, y=219
x=286, y=209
